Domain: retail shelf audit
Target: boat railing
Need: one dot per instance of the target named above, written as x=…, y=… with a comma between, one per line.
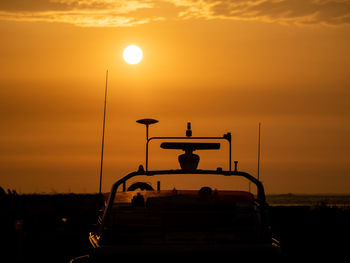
x=141, y=172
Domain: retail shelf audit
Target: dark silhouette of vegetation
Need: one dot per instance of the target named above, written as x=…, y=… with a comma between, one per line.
x=37, y=228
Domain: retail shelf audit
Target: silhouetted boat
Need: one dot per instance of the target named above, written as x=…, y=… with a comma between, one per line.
x=142, y=222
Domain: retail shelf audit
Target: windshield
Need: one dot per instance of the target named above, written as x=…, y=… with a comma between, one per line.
x=203, y=207
x=188, y=184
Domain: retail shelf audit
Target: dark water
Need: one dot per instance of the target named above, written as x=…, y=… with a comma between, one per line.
x=341, y=201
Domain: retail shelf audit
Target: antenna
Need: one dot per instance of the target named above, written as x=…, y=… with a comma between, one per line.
x=103, y=132
x=147, y=122
x=259, y=151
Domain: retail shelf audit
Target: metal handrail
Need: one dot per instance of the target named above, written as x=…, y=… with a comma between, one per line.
x=141, y=172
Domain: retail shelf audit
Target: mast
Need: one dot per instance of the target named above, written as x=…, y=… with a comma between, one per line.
x=259, y=151
x=103, y=132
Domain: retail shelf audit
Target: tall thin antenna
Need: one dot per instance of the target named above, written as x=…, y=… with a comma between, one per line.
x=103, y=131
x=259, y=151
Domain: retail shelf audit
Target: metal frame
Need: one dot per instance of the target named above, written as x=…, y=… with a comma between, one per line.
x=140, y=172
x=226, y=137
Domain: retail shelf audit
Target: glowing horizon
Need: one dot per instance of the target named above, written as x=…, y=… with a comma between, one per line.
x=223, y=66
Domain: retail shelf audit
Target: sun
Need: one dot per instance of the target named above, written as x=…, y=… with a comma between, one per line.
x=132, y=54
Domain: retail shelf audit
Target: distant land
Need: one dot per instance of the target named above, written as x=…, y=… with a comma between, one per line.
x=289, y=199
x=309, y=199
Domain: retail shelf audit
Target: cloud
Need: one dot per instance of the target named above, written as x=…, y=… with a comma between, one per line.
x=85, y=13
x=302, y=12
x=97, y=19
x=110, y=13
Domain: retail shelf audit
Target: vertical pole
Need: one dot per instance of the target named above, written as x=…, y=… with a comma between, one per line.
x=228, y=137
x=230, y=157
x=259, y=151
x=147, y=147
x=103, y=132
x=147, y=131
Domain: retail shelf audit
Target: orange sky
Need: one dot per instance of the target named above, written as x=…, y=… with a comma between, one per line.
x=223, y=65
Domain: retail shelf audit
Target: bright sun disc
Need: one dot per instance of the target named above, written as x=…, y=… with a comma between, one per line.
x=132, y=54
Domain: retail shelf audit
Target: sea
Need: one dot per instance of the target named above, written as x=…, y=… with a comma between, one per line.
x=322, y=200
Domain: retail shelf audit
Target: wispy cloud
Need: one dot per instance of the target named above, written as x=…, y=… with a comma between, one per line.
x=109, y=13
x=85, y=13
x=79, y=18
x=302, y=12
